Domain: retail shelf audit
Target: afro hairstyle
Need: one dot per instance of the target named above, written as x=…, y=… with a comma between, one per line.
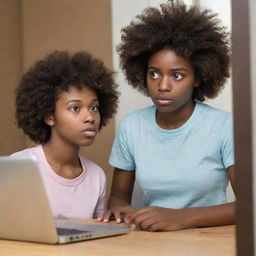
x=190, y=32
x=39, y=88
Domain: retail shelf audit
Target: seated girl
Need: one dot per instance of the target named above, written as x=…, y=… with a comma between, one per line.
x=180, y=150
x=62, y=102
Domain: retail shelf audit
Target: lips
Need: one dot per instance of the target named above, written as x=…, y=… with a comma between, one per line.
x=90, y=132
x=164, y=101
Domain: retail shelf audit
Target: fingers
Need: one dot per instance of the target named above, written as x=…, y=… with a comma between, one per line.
x=141, y=214
x=119, y=214
x=157, y=219
x=127, y=219
x=149, y=218
x=106, y=216
x=145, y=219
x=146, y=225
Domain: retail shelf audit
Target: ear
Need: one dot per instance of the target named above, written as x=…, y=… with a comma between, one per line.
x=49, y=120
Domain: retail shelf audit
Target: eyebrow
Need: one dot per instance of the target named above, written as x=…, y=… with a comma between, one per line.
x=173, y=69
x=71, y=101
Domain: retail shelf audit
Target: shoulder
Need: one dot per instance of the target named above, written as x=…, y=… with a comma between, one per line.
x=140, y=112
x=141, y=115
x=33, y=151
x=213, y=114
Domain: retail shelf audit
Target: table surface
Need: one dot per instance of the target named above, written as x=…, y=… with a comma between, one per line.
x=210, y=241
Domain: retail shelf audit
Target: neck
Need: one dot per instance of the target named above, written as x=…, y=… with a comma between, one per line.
x=63, y=159
x=175, y=119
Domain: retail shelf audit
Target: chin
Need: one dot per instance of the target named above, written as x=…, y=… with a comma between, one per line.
x=87, y=143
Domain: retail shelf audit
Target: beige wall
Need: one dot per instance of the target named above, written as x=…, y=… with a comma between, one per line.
x=33, y=28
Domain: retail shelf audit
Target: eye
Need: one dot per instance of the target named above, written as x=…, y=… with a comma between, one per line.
x=154, y=74
x=75, y=109
x=94, y=108
x=177, y=76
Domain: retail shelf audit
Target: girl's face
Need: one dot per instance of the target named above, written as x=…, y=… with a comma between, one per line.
x=76, y=118
x=170, y=81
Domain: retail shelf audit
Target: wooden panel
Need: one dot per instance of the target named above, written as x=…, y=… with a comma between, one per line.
x=11, y=138
x=243, y=126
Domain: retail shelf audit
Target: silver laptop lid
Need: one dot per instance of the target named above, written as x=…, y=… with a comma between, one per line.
x=25, y=211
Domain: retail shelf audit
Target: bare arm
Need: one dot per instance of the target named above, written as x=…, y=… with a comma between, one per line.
x=122, y=187
x=158, y=218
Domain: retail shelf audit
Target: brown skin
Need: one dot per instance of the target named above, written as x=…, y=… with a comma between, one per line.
x=170, y=82
x=74, y=123
x=120, y=198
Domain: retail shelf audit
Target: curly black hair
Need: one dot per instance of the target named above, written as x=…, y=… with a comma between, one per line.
x=192, y=33
x=39, y=88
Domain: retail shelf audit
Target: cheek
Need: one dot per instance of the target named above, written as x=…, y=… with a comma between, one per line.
x=187, y=93
x=151, y=87
x=97, y=119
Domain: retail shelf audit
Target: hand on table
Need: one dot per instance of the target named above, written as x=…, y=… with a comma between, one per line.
x=158, y=219
x=120, y=214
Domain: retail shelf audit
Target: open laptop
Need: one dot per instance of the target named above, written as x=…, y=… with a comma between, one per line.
x=25, y=212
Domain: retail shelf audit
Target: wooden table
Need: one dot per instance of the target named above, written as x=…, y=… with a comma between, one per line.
x=213, y=241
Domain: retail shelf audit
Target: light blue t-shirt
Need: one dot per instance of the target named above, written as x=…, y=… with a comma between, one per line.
x=184, y=167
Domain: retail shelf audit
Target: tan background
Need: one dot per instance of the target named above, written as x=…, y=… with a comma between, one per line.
x=29, y=30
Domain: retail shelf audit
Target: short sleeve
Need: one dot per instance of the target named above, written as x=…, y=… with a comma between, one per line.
x=227, y=146
x=122, y=154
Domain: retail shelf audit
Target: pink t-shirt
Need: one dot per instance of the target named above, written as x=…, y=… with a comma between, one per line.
x=82, y=197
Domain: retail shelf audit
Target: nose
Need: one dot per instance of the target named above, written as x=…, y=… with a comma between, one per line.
x=164, y=84
x=88, y=117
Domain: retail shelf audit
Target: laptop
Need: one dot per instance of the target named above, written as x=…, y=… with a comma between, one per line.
x=25, y=212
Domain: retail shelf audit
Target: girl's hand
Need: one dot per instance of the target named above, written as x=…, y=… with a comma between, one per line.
x=159, y=219
x=120, y=214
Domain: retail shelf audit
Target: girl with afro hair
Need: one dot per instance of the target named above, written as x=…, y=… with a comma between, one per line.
x=61, y=104
x=180, y=150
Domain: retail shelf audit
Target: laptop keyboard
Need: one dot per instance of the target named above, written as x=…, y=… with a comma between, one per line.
x=68, y=231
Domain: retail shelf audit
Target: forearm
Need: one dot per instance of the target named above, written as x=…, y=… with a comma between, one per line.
x=210, y=216
x=122, y=188
x=117, y=201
